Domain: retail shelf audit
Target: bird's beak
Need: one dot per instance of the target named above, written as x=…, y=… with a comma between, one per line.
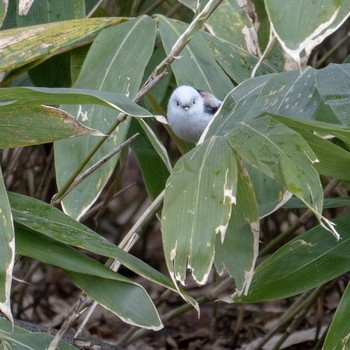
x=186, y=107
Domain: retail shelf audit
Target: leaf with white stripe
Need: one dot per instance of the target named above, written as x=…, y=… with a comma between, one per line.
x=116, y=63
x=7, y=251
x=197, y=207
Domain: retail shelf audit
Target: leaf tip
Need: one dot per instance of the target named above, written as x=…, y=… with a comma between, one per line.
x=330, y=227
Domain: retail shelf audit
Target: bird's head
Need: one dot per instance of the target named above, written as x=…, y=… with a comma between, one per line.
x=185, y=100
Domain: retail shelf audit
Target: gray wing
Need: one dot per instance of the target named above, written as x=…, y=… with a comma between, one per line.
x=211, y=103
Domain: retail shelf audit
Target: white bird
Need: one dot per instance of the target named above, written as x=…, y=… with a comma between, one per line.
x=190, y=110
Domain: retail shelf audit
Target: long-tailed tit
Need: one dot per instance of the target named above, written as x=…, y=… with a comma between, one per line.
x=190, y=110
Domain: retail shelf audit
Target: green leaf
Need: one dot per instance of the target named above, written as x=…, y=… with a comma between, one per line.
x=264, y=23
x=198, y=198
x=50, y=251
x=192, y=4
x=332, y=160
x=20, y=47
x=269, y=194
x=306, y=262
x=31, y=96
x=121, y=54
x=338, y=332
x=152, y=157
x=25, y=126
x=275, y=53
x=77, y=58
x=292, y=93
x=239, y=250
x=231, y=23
x=126, y=299
x=157, y=145
x=237, y=105
x=311, y=97
x=337, y=202
x=301, y=101
x=236, y=62
x=21, y=339
x=196, y=65
x=333, y=85
x=131, y=304
x=283, y=155
x=46, y=219
x=3, y=11
x=304, y=29
x=7, y=251
x=340, y=131
x=55, y=71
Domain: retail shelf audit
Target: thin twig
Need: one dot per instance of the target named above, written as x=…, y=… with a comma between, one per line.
x=299, y=307
x=73, y=315
x=97, y=207
x=84, y=302
x=57, y=198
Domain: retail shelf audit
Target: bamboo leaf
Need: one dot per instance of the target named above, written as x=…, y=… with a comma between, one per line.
x=308, y=261
x=51, y=222
x=55, y=71
x=328, y=203
x=340, y=131
x=196, y=66
x=311, y=24
x=62, y=10
x=235, y=61
x=113, y=291
x=269, y=194
x=283, y=155
x=31, y=96
x=22, y=339
x=157, y=145
x=237, y=105
x=338, y=333
x=232, y=23
x=3, y=11
x=304, y=101
x=192, y=4
x=198, y=198
x=7, y=251
x=115, y=62
x=239, y=250
x=333, y=160
x=132, y=305
x=152, y=157
x=45, y=249
x=333, y=85
x=19, y=47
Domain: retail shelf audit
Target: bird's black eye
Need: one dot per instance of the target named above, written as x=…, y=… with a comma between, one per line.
x=177, y=103
x=194, y=102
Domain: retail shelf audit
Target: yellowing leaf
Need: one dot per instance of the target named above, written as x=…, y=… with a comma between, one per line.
x=20, y=46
